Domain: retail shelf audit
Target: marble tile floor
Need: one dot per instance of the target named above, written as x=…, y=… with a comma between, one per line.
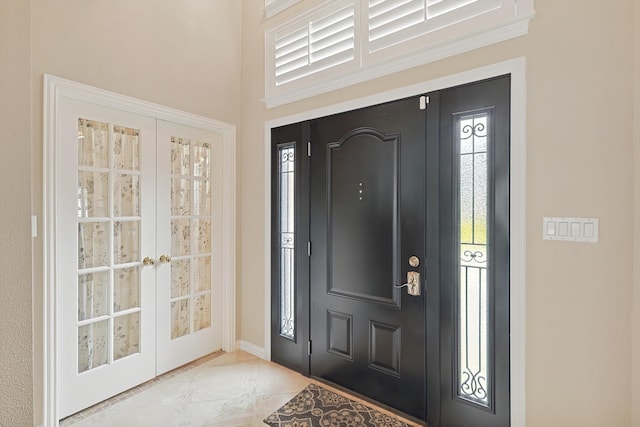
x=223, y=389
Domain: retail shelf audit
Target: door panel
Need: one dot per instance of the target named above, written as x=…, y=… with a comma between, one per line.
x=189, y=232
x=367, y=219
x=105, y=225
x=474, y=263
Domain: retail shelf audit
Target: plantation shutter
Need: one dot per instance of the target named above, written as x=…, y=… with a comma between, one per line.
x=322, y=43
x=391, y=22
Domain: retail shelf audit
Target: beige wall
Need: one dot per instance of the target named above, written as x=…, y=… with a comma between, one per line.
x=635, y=328
x=15, y=210
x=182, y=54
x=579, y=163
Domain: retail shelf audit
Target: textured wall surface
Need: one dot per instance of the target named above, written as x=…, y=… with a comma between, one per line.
x=15, y=209
x=635, y=328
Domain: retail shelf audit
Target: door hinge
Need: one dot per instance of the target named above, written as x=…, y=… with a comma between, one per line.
x=424, y=101
x=309, y=149
x=309, y=348
x=309, y=248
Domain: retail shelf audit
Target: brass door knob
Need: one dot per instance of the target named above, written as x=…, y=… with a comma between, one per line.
x=165, y=259
x=148, y=261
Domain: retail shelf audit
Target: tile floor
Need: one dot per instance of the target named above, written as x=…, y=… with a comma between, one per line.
x=224, y=389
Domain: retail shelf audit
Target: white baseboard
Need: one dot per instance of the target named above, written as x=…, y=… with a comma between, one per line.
x=252, y=349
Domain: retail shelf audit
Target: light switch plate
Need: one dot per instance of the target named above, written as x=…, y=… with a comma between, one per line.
x=570, y=229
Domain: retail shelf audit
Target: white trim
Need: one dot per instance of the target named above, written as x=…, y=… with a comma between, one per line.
x=274, y=7
x=54, y=88
x=252, y=349
x=517, y=69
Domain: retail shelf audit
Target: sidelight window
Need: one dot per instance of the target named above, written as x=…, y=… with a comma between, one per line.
x=286, y=234
x=474, y=279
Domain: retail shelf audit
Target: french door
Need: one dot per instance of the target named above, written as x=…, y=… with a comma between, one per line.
x=137, y=242
x=404, y=278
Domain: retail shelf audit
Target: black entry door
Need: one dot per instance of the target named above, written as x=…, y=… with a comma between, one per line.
x=367, y=219
x=386, y=191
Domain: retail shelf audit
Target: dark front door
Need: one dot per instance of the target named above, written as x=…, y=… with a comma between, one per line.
x=367, y=220
x=384, y=193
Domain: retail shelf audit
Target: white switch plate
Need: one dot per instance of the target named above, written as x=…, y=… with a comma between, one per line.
x=570, y=229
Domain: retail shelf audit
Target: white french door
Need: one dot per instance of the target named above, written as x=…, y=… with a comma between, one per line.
x=138, y=249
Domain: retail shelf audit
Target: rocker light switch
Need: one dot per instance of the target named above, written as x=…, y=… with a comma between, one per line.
x=570, y=229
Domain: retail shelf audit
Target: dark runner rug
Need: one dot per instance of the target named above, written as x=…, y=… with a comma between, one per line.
x=318, y=407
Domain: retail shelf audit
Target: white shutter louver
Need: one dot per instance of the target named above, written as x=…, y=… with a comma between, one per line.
x=396, y=21
x=321, y=44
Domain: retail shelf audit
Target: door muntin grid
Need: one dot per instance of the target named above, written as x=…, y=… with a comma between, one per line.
x=473, y=374
x=191, y=236
x=108, y=224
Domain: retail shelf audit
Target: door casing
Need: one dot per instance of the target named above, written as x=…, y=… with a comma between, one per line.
x=516, y=68
x=56, y=87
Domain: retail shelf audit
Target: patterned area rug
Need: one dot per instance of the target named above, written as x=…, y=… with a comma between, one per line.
x=317, y=407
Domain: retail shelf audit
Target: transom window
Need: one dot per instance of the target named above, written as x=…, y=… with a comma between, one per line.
x=342, y=42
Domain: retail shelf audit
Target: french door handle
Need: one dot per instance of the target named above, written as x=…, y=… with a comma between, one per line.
x=147, y=261
x=165, y=259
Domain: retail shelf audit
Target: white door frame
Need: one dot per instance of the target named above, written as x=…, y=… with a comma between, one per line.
x=517, y=69
x=56, y=87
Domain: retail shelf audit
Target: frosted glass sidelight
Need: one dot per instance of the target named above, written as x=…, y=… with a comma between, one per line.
x=126, y=195
x=93, y=243
x=286, y=212
x=93, y=345
x=126, y=288
x=126, y=335
x=93, y=194
x=126, y=242
x=180, y=318
x=126, y=148
x=93, y=143
x=93, y=289
x=473, y=371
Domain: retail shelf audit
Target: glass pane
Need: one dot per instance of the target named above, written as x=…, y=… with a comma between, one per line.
x=126, y=148
x=93, y=143
x=286, y=190
x=179, y=318
x=202, y=312
x=180, y=195
x=93, y=346
x=93, y=290
x=201, y=197
x=203, y=229
x=126, y=288
x=126, y=242
x=201, y=159
x=202, y=273
x=126, y=195
x=180, y=277
x=126, y=335
x=93, y=194
x=180, y=156
x=180, y=237
x=93, y=243
x=473, y=367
